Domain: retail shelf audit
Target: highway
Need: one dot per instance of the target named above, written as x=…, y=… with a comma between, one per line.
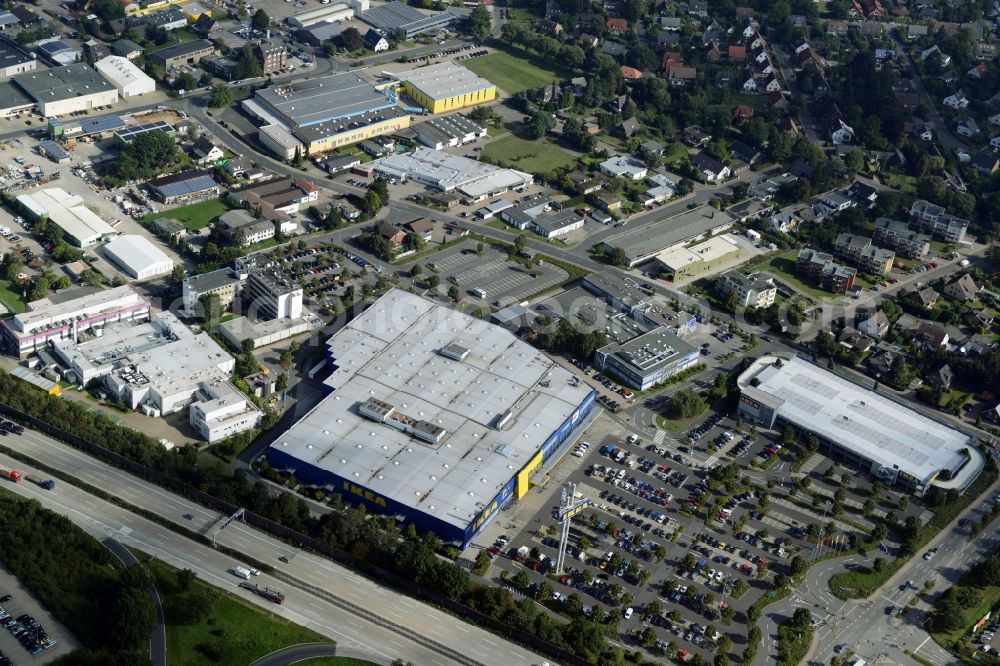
x=397, y=627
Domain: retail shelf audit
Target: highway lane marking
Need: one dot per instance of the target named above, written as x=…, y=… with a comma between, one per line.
x=921, y=645
x=486, y=640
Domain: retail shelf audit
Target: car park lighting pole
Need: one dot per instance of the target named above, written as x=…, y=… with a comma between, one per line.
x=568, y=507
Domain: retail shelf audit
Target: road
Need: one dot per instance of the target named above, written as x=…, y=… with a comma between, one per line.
x=297, y=653
x=158, y=639
x=863, y=625
x=320, y=594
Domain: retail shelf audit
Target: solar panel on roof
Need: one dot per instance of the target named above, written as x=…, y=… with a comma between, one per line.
x=190, y=186
x=102, y=124
x=53, y=47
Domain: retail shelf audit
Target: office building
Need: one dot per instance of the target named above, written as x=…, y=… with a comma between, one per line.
x=274, y=295
x=434, y=417
x=647, y=360
x=272, y=56
x=224, y=283
x=858, y=426
x=186, y=53
x=241, y=228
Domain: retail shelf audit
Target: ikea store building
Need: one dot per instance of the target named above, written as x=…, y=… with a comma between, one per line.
x=433, y=416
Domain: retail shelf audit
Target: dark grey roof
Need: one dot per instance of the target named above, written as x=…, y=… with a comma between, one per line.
x=186, y=182
x=59, y=83
x=101, y=124
x=124, y=47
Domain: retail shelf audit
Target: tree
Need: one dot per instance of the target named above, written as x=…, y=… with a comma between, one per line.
x=146, y=155
x=540, y=122
x=185, y=578
x=210, y=307
x=132, y=616
x=247, y=65
x=416, y=270
x=685, y=404
x=108, y=10
x=372, y=203
x=433, y=281
x=221, y=97
x=351, y=40
x=281, y=383
x=260, y=21
x=481, y=23
x=453, y=293
x=415, y=241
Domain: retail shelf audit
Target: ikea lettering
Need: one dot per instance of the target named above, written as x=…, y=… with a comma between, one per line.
x=364, y=493
x=487, y=512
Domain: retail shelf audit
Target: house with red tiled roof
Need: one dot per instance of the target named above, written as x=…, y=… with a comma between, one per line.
x=617, y=26
x=630, y=73
x=737, y=53
x=742, y=113
x=671, y=58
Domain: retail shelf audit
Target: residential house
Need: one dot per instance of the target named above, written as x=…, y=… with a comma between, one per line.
x=926, y=298
x=942, y=377
x=204, y=151
x=995, y=143
x=742, y=113
x=550, y=28
x=976, y=71
x=623, y=167
x=422, y=227
x=875, y=326
x=881, y=360
x=629, y=127
x=752, y=291
x=967, y=128
x=937, y=53
x=617, y=26
x=671, y=58
x=606, y=201
x=679, y=75
x=630, y=73
x=737, y=53
x=771, y=84
x=840, y=132
x=963, y=289
x=789, y=126
x=930, y=336
x=862, y=193
x=698, y=8
x=749, y=85
x=985, y=163
x=671, y=23
x=375, y=42
x=695, y=136
x=709, y=169
x=651, y=147
x=855, y=340
x=390, y=232
x=613, y=49
x=744, y=152
x=956, y=100
x=980, y=318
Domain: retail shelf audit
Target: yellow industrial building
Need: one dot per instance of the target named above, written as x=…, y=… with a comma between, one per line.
x=446, y=87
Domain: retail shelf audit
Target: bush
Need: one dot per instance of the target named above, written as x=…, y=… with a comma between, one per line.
x=685, y=404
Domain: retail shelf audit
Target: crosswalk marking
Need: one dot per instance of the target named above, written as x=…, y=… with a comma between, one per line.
x=660, y=435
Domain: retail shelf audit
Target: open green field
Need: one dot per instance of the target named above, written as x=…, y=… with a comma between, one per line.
x=193, y=216
x=232, y=632
x=513, y=70
x=989, y=596
x=530, y=156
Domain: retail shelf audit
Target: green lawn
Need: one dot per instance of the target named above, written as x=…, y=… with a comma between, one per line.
x=9, y=298
x=193, y=216
x=989, y=596
x=529, y=156
x=905, y=184
x=334, y=661
x=514, y=70
x=234, y=632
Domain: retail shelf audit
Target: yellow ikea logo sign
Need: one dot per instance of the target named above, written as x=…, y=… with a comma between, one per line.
x=364, y=493
x=487, y=512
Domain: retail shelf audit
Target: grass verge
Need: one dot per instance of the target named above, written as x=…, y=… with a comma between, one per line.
x=206, y=625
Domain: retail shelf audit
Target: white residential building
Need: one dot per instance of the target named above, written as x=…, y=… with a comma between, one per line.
x=624, y=167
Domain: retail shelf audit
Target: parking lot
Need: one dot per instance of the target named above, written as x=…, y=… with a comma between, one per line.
x=504, y=282
x=21, y=603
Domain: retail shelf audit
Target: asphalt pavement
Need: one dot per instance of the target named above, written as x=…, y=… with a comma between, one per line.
x=158, y=637
x=357, y=612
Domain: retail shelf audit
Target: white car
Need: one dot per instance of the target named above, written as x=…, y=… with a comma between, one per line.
x=628, y=612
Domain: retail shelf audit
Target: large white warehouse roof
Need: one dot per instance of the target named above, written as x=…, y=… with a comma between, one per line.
x=124, y=75
x=138, y=257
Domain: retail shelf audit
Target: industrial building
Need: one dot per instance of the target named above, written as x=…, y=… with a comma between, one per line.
x=138, y=257
x=187, y=53
x=82, y=226
x=185, y=186
x=448, y=131
x=683, y=262
x=125, y=76
x=127, y=135
x=445, y=86
x=473, y=179
x=241, y=229
x=46, y=320
x=13, y=101
x=261, y=332
x=160, y=367
x=225, y=283
x=61, y=91
x=398, y=18
x=330, y=13
x=433, y=416
x=317, y=115
x=642, y=244
x=14, y=59
x=887, y=439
